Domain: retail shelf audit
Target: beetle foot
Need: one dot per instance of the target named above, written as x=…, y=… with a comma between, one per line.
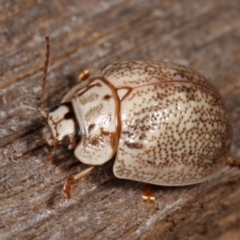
x=148, y=194
x=232, y=162
x=73, y=179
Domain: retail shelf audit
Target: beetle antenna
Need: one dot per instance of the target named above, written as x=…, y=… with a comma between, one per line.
x=45, y=69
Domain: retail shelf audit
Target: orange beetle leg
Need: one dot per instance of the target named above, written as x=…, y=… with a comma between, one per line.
x=73, y=179
x=148, y=194
x=84, y=75
x=232, y=162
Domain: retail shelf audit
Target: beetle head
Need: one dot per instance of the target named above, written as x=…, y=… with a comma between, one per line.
x=61, y=127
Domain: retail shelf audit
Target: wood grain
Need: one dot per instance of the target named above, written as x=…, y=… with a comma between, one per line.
x=202, y=34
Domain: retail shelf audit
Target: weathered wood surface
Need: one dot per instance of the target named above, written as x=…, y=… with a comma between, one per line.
x=89, y=34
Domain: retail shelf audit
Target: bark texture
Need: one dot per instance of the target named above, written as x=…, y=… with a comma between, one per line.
x=204, y=35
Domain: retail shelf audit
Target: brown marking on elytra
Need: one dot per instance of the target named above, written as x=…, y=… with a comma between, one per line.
x=150, y=162
x=127, y=93
x=134, y=145
x=142, y=136
x=151, y=72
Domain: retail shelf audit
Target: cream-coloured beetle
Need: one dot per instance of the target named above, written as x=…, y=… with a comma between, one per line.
x=164, y=123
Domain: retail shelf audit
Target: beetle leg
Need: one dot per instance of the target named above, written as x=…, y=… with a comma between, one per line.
x=73, y=179
x=84, y=75
x=148, y=194
x=232, y=162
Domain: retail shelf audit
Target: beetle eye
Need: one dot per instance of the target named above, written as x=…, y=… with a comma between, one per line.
x=69, y=115
x=65, y=141
x=53, y=109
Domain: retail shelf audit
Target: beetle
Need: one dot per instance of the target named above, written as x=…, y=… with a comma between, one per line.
x=164, y=123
